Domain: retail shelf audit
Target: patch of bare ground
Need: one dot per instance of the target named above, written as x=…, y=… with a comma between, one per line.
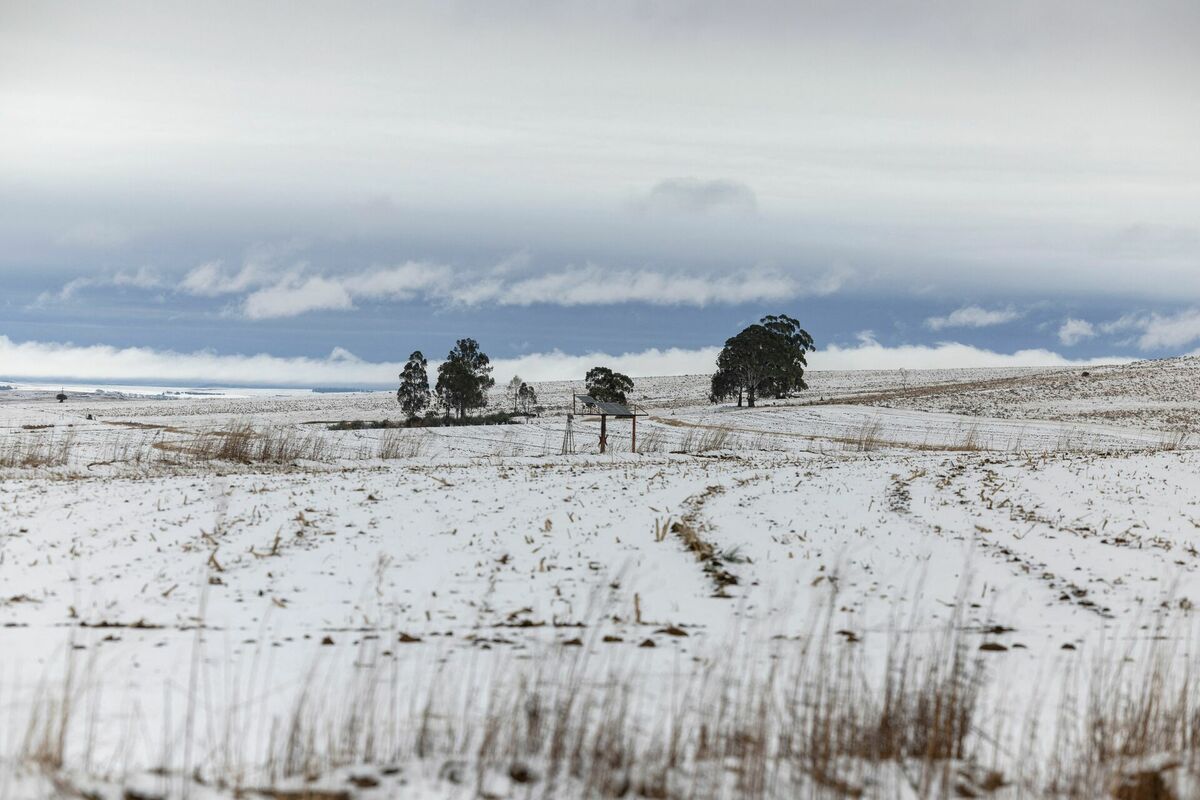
x=689, y=529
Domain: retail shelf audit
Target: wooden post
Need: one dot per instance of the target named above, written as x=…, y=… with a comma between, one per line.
x=603, y=432
x=633, y=439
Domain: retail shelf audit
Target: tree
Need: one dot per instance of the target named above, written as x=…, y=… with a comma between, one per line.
x=788, y=375
x=413, y=394
x=744, y=364
x=766, y=357
x=527, y=402
x=607, y=386
x=724, y=385
x=513, y=392
x=464, y=378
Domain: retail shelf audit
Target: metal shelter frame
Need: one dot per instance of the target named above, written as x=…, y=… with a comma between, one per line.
x=587, y=405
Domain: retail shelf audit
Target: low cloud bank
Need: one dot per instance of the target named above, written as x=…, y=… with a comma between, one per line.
x=946, y=355
x=296, y=292
x=102, y=363
x=263, y=289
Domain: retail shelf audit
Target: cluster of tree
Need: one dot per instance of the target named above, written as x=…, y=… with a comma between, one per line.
x=607, y=386
x=524, y=399
x=767, y=358
x=464, y=379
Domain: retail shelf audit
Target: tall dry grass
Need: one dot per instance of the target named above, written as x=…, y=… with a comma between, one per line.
x=869, y=436
x=571, y=727
x=1177, y=439
x=238, y=442
x=808, y=717
x=401, y=443
x=243, y=442
x=37, y=449
x=651, y=440
x=707, y=440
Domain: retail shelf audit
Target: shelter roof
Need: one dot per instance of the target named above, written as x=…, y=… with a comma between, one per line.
x=594, y=406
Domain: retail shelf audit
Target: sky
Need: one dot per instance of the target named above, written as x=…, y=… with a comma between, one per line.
x=304, y=193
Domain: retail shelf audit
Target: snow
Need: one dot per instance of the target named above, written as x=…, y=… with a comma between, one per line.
x=166, y=580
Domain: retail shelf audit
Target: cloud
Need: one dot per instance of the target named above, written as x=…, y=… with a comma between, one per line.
x=401, y=282
x=831, y=282
x=95, y=236
x=853, y=160
x=973, y=317
x=1124, y=323
x=206, y=280
x=211, y=279
x=105, y=363
x=100, y=363
x=1158, y=331
x=295, y=296
x=141, y=278
x=269, y=291
x=573, y=286
x=1074, y=331
x=696, y=196
x=1169, y=331
x=45, y=360
x=869, y=354
x=262, y=265
x=595, y=285
x=556, y=365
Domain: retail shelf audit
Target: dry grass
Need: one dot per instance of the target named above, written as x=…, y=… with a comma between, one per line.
x=398, y=443
x=651, y=440
x=869, y=436
x=819, y=721
x=244, y=443
x=49, y=724
x=1126, y=718
x=239, y=442
x=1178, y=439
x=135, y=450
x=570, y=728
x=37, y=449
x=707, y=440
x=815, y=722
x=970, y=440
x=766, y=442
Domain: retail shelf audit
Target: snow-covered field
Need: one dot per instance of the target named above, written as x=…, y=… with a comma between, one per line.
x=375, y=612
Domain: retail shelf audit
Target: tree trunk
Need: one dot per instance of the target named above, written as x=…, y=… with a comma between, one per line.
x=750, y=396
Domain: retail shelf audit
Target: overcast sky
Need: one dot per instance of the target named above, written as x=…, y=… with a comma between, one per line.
x=314, y=190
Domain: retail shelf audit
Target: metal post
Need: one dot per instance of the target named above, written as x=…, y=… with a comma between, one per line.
x=568, y=447
x=633, y=439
